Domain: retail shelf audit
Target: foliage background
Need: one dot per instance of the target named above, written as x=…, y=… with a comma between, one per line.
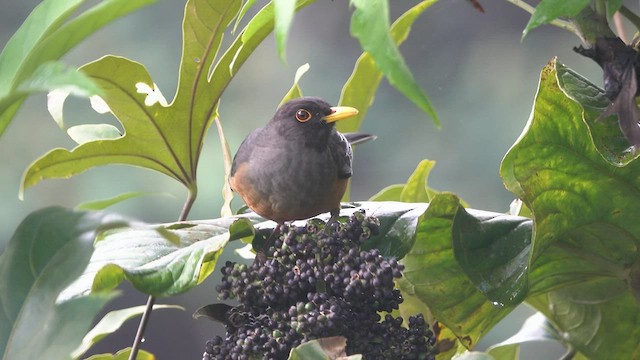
x=478, y=74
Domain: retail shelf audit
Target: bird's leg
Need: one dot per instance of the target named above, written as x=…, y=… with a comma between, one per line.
x=274, y=234
x=261, y=256
x=335, y=213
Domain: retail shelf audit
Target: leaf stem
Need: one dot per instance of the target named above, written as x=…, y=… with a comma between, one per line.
x=186, y=208
x=191, y=198
x=631, y=16
x=601, y=8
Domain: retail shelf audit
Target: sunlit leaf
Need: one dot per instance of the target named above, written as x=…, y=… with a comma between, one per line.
x=123, y=355
x=473, y=355
x=389, y=193
x=323, y=349
x=110, y=323
x=245, y=7
x=415, y=190
x=535, y=329
x=295, y=91
x=160, y=267
x=91, y=132
x=50, y=248
x=370, y=24
x=584, y=205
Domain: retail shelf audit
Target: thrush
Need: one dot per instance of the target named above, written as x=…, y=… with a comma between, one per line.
x=298, y=165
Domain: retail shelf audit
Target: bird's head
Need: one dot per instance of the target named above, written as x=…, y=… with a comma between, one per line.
x=309, y=118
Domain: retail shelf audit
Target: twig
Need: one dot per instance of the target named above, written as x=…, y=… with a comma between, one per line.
x=191, y=198
x=141, y=328
x=617, y=21
x=227, y=194
x=631, y=16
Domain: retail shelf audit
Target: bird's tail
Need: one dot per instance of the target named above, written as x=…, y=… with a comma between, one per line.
x=355, y=138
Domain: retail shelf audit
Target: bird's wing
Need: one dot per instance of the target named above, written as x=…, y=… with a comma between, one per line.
x=244, y=151
x=342, y=154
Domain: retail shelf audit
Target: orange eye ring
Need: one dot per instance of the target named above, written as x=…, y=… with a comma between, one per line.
x=303, y=115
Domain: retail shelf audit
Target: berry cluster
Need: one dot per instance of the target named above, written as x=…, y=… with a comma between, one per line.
x=312, y=284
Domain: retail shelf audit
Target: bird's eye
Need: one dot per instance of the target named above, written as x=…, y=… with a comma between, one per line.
x=303, y=115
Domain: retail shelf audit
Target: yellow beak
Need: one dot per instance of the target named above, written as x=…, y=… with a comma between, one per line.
x=339, y=113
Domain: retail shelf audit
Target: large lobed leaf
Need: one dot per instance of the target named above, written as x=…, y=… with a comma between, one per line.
x=158, y=136
x=164, y=137
x=50, y=248
x=583, y=193
x=28, y=57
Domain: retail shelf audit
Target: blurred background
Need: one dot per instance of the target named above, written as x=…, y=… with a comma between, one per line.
x=478, y=73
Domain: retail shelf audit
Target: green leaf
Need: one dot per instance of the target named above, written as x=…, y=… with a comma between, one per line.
x=607, y=136
x=123, y=355
x=390, y=193
x=370, y=25
x=549, y=10
x=110, y=323
x=584, y=205
x=473, y=355
x=360, y=89
x=416, y=189
x=322, y=349
x=243, y=11
x=284, y=16
x=153, y=138
x=493, y=250
x=105, y=203
x=435, y=277
x=398, y=222
x=44, y=37
x=55, y=75
x=248, y=40
x=165, y=269
x=50, y=248
x=91, y=132
x=44, y=19
x=295, y=91
x=161, y=268
x=535, y=329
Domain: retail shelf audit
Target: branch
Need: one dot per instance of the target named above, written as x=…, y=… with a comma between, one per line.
x=135, y=347
x=630, y=15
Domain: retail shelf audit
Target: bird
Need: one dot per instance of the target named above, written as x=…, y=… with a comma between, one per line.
x=297, y=166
